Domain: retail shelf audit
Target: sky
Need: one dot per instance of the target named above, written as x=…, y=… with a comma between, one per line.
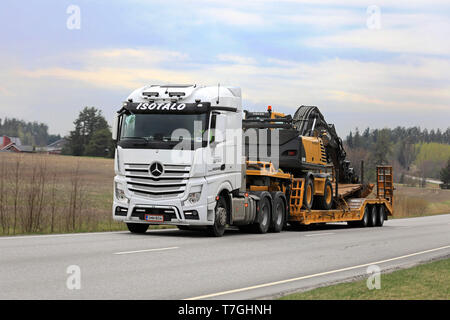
x=364, y=64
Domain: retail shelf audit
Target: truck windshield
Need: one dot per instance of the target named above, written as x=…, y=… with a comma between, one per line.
x=163, y=130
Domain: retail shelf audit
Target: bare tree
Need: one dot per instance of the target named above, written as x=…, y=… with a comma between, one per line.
x=16, y=187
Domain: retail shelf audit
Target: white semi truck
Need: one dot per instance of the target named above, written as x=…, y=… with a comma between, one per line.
x=179, y=161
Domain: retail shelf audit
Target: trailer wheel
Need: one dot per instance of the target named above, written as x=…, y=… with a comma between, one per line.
x=326, y=201
x=263, y=223
x=380, y=216
x=308, y=196
x=137, y=227
x=220, y=219
x=365, y=220
x=373, y=216
x=279, y=214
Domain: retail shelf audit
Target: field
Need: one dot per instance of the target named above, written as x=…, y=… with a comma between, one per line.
x=415, y=202
x=429, y=281
x=58, y=194
x=54, y=194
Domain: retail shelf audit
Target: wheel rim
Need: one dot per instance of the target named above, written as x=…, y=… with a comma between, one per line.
x=308, y=194
x=328, y=198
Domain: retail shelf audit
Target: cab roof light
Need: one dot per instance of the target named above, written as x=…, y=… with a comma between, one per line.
x=176, y=94
x=150, y=94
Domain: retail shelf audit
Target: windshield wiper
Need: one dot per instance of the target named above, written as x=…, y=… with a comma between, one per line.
x=136, y=138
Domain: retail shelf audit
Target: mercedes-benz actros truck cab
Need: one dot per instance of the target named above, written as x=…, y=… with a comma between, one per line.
x=173, y=157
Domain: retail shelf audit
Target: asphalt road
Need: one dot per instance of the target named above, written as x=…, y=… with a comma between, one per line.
x=177, y=264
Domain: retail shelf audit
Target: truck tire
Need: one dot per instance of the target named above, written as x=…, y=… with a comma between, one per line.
x=220, y=219
x=380, y=216
x=364, y=222
x=279, y=213
x=326, y=201
x=373, y=216
x=137, y=227
x=308, y=194
x=263, y=223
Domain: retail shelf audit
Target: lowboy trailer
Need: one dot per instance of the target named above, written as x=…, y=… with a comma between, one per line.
x=173, y=167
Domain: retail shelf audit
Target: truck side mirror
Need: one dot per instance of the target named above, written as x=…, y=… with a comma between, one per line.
x=115, y=127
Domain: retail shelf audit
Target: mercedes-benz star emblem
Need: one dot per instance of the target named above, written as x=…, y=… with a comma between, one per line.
x=156, y=169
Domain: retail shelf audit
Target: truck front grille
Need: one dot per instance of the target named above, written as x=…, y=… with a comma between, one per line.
x=171, y=183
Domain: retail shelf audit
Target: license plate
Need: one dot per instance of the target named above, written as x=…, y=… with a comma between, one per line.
x=154, y=218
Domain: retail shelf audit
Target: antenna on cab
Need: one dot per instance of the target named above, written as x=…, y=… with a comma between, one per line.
x=218, y=93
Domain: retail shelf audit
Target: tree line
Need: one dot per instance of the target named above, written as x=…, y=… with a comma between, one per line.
x=91, y=135
x=30, y=133
x=411, y=151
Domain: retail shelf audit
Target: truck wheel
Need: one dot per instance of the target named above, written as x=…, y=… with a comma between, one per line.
x=373, y=216
x=220, y=218
x=137, y=227
x=263, y=223
x=326, y=201
x=279, y=214
x=380, y=216
x=308, y=195
x=365, y=220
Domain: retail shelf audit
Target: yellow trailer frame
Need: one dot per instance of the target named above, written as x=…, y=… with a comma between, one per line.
x=349, y=209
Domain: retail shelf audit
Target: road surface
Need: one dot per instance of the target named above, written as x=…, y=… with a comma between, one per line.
x=173, y=264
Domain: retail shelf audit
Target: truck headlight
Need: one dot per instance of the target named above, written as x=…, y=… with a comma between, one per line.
x=120, y=192
x=195, y=194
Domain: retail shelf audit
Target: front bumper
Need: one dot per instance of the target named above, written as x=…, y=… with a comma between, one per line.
x=173, y=210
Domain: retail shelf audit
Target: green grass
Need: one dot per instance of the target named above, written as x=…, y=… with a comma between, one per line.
x=429, y=281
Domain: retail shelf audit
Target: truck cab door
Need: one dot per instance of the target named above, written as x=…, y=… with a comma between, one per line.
x=216, y=144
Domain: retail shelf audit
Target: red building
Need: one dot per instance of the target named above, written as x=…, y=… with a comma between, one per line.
x=13, y=144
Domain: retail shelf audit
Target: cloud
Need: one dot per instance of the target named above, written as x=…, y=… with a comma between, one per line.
x=403, y=85
x=400, y=33
x=236, y=59
x=233, y=17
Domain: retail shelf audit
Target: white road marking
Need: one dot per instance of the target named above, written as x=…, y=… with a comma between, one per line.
x=76, y=234
x=146, y=250
x=313, y=275
x=59, y=235
x=318, y=234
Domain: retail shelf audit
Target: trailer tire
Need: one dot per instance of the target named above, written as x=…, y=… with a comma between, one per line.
x=308, y=194
x=326, y=201
x=279, y=213
x=220, y=219
x=137, y=227
x=380, y=216
x=364, y=222
x=373, y=216
x=263, y=223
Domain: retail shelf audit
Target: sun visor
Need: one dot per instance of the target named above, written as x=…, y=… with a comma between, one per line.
x=166, y=107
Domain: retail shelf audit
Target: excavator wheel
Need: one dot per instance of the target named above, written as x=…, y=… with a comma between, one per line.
x=326, y=201
x=308, y=196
